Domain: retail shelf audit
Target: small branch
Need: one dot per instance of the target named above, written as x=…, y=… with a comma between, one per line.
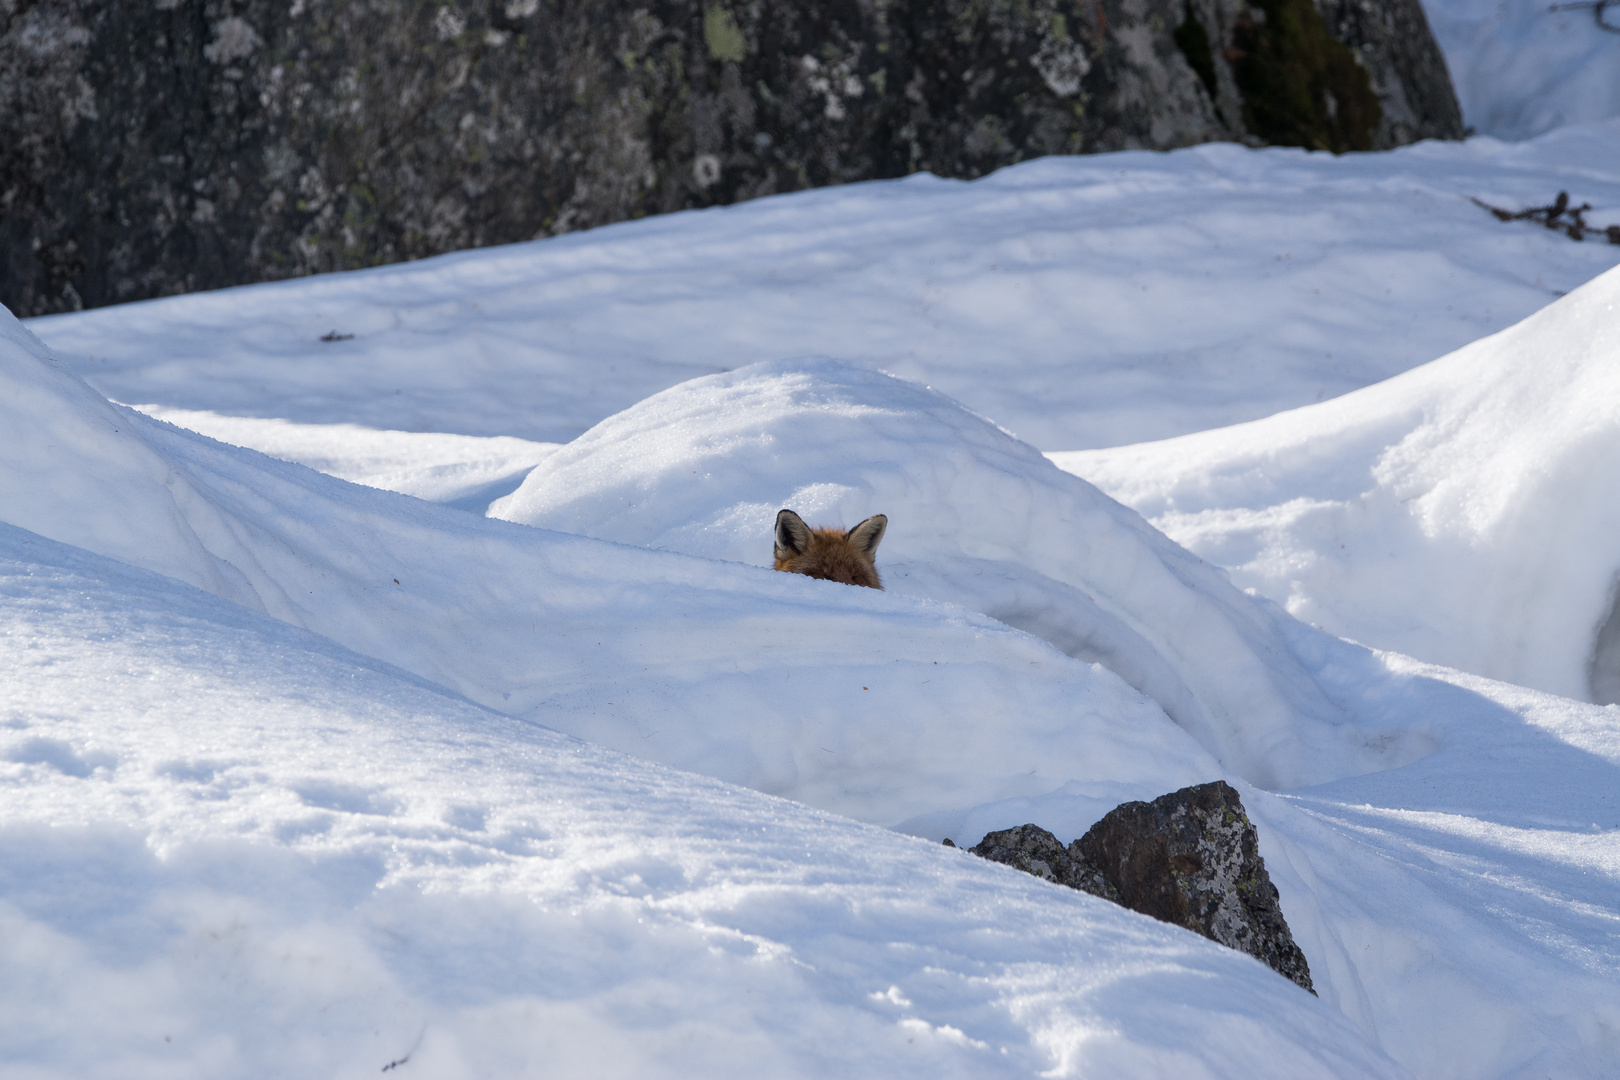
x=1557, y=215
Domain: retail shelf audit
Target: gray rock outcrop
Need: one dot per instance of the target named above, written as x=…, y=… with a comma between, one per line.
x=150, y=147
x=1190, y=858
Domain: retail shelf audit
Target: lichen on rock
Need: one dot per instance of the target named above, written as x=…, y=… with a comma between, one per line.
x=1190, y=858
x=155, y=148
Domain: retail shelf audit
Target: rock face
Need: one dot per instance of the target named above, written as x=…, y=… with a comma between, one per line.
x=1189, y=858
x=150, y=147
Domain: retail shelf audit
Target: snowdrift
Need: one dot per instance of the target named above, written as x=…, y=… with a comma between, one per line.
x=878, y=706
x=976, y=518
x=252, y=853
x=204, y=788
x=1464, y=512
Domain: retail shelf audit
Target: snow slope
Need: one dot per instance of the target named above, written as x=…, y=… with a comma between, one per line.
x=235, y=849
x=697, y=655
x=1458, y=909
x=1521, y=68
x=1078, y=301
x=1463, y=512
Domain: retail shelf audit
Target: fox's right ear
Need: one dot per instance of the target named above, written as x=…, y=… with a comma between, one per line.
x=792, y=535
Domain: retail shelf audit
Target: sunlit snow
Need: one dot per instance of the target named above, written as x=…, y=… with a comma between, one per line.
x=445, y=717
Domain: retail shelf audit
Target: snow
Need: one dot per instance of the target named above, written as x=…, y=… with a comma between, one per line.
x=1458, y=512
x=1522, y=68
x=462, y=471
x=1080, y=302
x=976, y=518
x=308, y=770
x=249, y=852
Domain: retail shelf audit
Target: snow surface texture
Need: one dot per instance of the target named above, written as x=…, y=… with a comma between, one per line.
x=1077, y=301
x=1521, y=68
x=1464, y=512
x=251, y=853
x=1458, y=910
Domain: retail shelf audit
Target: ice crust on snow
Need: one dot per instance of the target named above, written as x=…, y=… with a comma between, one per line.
x=1463, y=512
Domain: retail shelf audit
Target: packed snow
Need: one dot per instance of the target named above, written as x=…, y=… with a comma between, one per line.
x=445, y=716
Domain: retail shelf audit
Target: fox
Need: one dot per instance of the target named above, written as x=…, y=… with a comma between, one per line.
x=829, y=554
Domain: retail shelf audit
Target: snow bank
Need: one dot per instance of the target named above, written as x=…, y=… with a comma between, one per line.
x=1463, y=512
x=878, y=706
x=249, y=852
x=1522, y=68
x=975, y=518
x=1078, y=301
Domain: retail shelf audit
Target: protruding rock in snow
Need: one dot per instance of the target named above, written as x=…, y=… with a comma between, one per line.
x=1190, y=858
x=1033, y=850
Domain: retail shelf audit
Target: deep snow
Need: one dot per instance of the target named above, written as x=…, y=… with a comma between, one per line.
x=233, y=848
x=293, y=779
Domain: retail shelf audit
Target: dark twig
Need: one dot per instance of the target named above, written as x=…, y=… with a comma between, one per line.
x=1597, y=7
x=1557, y=215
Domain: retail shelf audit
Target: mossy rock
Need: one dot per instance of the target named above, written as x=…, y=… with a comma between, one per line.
x=1301, y=86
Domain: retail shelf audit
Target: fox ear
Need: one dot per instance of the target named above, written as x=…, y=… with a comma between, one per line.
x=868, y=534
x=792, y=534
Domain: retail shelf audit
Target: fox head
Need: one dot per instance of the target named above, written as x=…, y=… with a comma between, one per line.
x=828, y=553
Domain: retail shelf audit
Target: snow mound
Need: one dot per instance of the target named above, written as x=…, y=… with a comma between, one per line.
x=1524, y=67
x=881, y=707
x=252, y=853
x=976, y=518
x=1463, y=512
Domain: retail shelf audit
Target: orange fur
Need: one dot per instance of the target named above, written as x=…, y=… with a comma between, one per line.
x=830, y=554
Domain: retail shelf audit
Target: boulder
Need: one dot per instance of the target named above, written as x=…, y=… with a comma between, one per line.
x=1190, y=858
x=169, y=145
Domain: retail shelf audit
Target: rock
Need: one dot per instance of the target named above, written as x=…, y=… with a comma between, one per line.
x=1190, y=858
x=1033, y=850
x=169, y=145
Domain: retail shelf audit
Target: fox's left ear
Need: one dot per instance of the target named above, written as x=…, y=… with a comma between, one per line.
x=868, y=534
